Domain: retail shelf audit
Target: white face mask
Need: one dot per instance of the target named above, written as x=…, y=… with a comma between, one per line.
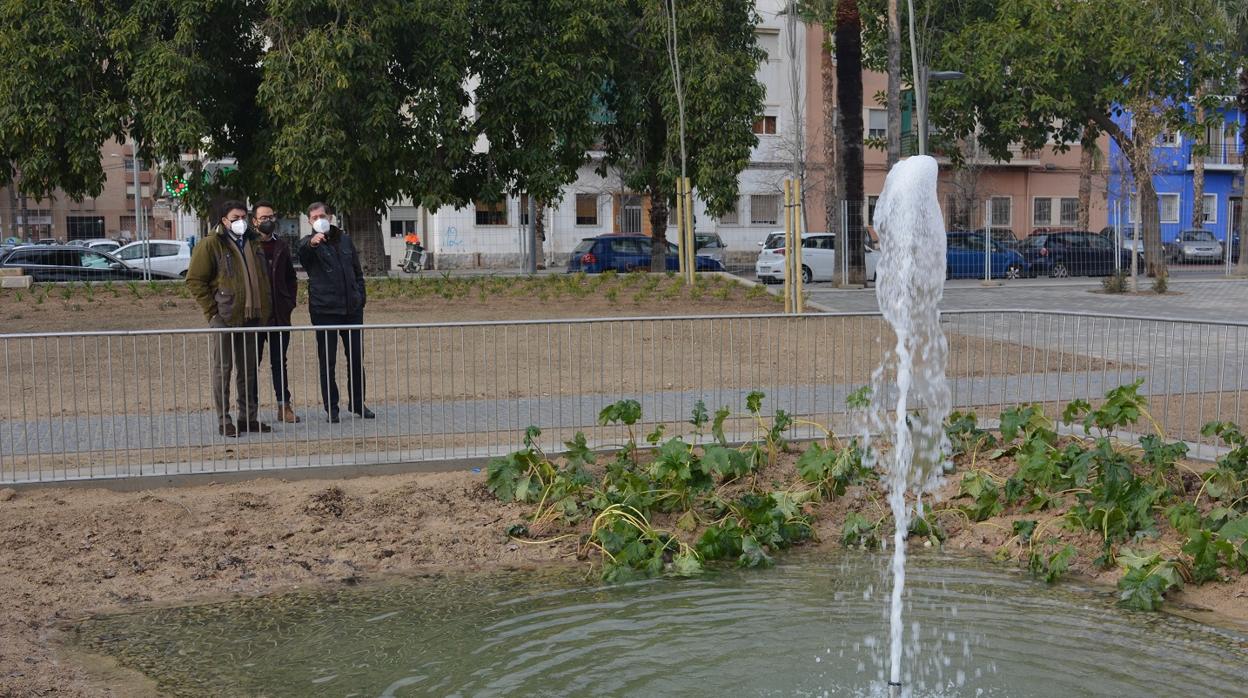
x=321, y=225
x=239, y=226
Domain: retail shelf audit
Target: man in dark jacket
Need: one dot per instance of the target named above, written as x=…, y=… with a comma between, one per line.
x=335, y=297
x=229, y=279
x=285, y=287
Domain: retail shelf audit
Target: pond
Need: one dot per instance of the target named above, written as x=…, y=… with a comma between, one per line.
x=811, y=626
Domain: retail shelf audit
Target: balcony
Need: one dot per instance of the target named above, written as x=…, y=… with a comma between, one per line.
x=1221, y=156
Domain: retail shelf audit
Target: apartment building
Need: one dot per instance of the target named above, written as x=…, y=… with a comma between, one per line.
x=490, y=235
x=1032, y=190
x=111, y=214
x=1174, y=160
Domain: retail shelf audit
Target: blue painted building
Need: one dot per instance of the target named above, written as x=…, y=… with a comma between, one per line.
x=1173, y=158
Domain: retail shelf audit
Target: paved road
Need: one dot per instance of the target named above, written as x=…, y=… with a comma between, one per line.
x=1212, y=300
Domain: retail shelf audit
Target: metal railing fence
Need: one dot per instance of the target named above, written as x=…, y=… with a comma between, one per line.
x=120, y=404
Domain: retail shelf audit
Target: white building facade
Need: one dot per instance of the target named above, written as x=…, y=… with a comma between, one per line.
x=491, y=236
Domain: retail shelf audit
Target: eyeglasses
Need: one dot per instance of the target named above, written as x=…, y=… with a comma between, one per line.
x=266, y=218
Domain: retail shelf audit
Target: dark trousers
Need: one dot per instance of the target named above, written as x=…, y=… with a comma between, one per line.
x=327, y=358
x=280, y=344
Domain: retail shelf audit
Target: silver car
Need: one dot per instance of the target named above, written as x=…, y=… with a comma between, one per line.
x=709, y=245
x=1194, y=245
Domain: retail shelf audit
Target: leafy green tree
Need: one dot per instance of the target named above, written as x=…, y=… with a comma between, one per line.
x=1038, y=70
x=352, y=102
x=719, y=57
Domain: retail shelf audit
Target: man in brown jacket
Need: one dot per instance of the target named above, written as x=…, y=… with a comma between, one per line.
x=229, y=279
x=285, y=292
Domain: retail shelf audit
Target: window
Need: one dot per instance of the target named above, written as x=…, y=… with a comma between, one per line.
x=84, y=227
x=732, y=216
x=94, y=260
x=1210, y=212
x=959, y=216
x=765, y=126
x=1002, y=208
x=143, y=165
x=877, y=123
x=1070, y=211
x=524, y=209
x=1169, y=205
x=764, y=209
x=872, y=201
x=1042, y=211
x=1099, y=242
x=133, y=251
x=145, y=189
x=164, y=249
x=399, y=228
x=587, y=209
x=626, y=246
x=491, y=213
x=770, y=43
x=1168, y=139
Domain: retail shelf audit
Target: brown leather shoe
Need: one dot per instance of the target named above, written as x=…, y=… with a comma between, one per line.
x=287, y=415
x=227, y=429
x=258, y=427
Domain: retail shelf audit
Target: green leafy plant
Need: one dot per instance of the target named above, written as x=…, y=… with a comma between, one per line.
x=1051, y=567
x=1147, y=579
x=859, y=532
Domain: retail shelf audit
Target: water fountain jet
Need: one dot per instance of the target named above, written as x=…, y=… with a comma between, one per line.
x=909, y=285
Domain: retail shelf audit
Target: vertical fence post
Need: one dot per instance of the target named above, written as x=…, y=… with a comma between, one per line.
x=788, y=252
x=796, y=189
x=680, y=227
x=691, y=263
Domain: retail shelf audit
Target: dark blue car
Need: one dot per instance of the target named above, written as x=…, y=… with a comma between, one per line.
x=1073, y=253
x=964, y=258
x=624, y=253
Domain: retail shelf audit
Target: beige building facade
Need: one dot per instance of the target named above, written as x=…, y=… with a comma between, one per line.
x=1032, y=190
x=109, y=215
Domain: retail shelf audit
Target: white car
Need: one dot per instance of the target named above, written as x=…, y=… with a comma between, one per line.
x=169, y=258
x=818, y=259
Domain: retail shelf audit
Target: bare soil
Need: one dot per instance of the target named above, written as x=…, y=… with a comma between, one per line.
x=69, y=552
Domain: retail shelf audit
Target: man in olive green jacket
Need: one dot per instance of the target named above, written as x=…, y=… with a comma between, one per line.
x=229, y=279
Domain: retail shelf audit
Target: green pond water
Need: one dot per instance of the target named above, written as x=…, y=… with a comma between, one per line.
x=812, y=626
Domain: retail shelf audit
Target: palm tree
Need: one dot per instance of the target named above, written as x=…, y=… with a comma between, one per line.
x=848, y=38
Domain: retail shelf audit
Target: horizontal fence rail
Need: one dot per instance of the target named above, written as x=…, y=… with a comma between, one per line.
x=122, y=404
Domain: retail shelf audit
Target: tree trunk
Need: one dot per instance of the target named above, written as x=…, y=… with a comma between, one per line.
x=894, y=84
x=831, y=137
x=1087, y=161
x=12, y=232
x=658, y=228
x=849, y=106
x=1198, y=161
x=1137, y=148
x=1241, y=268
x=364, y=227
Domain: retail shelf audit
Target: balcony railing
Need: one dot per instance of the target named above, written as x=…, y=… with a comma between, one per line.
x=1221, y=154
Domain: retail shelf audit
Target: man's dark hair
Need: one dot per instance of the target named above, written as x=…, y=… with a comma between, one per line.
x=231, y=205
x=262, y=203
x=321, y=205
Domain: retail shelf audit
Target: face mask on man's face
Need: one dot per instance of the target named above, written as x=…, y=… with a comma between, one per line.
x=321, y=225
x=267, y=227
x=239, y=226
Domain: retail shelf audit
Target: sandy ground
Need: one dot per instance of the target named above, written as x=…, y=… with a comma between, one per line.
x=65, y=553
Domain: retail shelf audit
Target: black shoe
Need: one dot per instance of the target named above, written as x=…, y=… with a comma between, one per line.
x=227, y=430
x=365, y=413
x=256, y=427
x=334, y=418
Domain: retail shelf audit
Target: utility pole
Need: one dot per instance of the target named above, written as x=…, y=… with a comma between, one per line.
x=139, y=224
x=531, y=261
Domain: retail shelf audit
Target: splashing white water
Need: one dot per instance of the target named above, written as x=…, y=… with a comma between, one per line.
x=909, y=284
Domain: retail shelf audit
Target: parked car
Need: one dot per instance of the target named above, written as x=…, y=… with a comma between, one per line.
x=1194, y=245
x=169, y=258
x=1074, y=253
x=68, y=263
x=773, y=239
x=964, y=258
x=1129, y=242
x=710, y=245
x=624, y=253
x=98, y=244
x=818, y=259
